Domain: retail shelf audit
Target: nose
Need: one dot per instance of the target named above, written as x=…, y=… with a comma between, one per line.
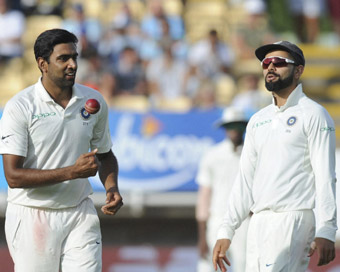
x=72, y=63
x=271, y=66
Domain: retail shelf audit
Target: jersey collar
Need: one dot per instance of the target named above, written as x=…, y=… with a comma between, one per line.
x=44, y=96
x=293, y=98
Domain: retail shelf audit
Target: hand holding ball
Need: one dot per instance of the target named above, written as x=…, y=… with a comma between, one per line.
x=92, y=106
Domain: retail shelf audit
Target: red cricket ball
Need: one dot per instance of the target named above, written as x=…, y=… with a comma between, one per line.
x=92, y=106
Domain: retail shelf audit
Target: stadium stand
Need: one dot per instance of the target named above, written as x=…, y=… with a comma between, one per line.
x=322, y=73
x=201, y=16
x=136, y=103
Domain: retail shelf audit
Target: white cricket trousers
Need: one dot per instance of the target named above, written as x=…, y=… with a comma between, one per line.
x=280, y=241
x=53, y=240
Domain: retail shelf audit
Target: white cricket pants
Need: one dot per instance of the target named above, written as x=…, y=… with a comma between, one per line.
x=53, y=240
x=280, y=241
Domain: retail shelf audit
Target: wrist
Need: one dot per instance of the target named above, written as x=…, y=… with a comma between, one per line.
x=112, y=189
x=71, y=173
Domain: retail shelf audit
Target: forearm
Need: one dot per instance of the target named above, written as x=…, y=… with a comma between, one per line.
x=108, y=173
x=29, y=178
x=18, y=176
x=202, y=230
x=108, y=170
x=326, y=211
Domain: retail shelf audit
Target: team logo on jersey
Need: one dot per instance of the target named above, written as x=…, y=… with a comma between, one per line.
x=84, y=114
x=291, y=121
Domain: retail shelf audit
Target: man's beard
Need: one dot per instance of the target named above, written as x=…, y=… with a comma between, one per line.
x=280, y=83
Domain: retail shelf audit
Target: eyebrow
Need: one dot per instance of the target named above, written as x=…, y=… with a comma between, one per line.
x=67, y=55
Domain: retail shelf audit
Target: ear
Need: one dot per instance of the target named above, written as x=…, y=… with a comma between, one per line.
x=298, y=71
x=43, y=65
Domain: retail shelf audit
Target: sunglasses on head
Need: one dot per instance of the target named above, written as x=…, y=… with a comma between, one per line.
x=277, y=61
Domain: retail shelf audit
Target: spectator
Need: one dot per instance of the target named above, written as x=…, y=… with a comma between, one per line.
x=211, y=59
x=108, y=86
x=306, y=15
x=205, y=95
x=90, y=69
x=253, y=32
x=152, y=26
x=87, y=30
x=129, y=73
x=116, y=38
x=31, y=7
x=93, y=72
x=250, y=97
x=334, y=11
x=124, y=16
x=124, y=31
x=151, y=48
x=12, y=25
x=211, y=56
x=166, y=75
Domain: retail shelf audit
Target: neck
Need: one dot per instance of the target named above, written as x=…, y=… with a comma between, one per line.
x=236, y=145
x=60, y=95
x=281, y=96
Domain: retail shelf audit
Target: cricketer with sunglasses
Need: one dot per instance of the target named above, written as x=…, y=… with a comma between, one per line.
x=287, y=169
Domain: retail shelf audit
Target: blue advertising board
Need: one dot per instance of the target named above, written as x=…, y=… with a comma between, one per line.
x=160, y=151
x=157, y=151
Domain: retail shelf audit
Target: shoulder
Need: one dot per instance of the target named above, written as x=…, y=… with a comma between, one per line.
x=313, y=110
x=22, y=99
x=89, y=92
x=214, y=150
x=263, y=115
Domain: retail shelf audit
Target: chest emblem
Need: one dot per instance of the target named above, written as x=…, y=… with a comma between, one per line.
x=84, y=114
x=291, y=121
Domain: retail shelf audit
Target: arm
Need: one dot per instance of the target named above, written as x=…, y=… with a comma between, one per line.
x=241, y=197
x=239, y=202
x=321, y=144
x=202, y=215
x=19, y=177
x=108, y=174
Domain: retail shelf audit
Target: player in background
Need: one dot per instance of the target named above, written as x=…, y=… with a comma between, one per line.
x=46, y=134
x=216, y=175
x=287, y=169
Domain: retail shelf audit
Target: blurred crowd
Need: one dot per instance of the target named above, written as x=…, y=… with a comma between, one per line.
x=153, y=58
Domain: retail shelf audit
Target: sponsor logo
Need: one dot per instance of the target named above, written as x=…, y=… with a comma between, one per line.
x=291, y=121
x=327, y=129
x=84, y=114
x=153, y=160
x=6, y=136
x=43, y=115
x=259, y=124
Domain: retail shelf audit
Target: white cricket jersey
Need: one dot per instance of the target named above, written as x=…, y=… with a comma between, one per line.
x=218, y=170
x=50, y=137
x=287, y=164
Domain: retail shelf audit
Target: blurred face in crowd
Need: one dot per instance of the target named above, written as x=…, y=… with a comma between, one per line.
x=156, y=8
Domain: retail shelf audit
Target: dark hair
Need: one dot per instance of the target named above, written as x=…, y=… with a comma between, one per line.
x=44, y=44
